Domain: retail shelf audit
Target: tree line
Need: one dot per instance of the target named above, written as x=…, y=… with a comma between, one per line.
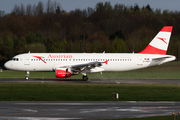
x=49, y=28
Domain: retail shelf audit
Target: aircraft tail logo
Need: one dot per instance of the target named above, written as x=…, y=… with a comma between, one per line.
x=159, y=44
x=163, y=39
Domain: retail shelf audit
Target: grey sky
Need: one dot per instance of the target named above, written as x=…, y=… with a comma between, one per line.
x=68, y=5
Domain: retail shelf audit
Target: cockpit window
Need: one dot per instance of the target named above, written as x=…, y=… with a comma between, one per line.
x=15, y=59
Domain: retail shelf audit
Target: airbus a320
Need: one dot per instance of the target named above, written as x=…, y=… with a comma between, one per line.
x=67, y=64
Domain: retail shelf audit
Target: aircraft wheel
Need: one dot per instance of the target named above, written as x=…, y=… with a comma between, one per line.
x=27, y=75
x=85, y=78
x=27, y=78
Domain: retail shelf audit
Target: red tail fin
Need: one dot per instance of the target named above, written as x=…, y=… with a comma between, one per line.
x=160, y=42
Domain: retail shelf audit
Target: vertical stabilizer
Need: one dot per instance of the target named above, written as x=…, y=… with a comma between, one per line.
x=159, y=44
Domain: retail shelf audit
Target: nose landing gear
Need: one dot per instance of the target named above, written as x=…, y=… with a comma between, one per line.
x=27, y=75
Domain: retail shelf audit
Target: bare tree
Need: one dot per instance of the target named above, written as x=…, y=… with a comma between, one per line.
x=58, y=11
x=57, y=7
x=2, y=13
x=34, y=10
x=90, y=11
x=51, y=7
x=84, y=13
x=40, y=8
x=48, y=6
x=29, y=9
x=22, y=11
x=16, y=9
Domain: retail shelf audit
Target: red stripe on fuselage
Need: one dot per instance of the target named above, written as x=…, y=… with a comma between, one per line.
x=39, y=57
x=152, y=50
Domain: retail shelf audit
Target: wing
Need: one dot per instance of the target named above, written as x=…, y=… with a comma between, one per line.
x=86, y=67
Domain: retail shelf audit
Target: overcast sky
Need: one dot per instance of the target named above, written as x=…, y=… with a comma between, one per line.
x=68, y=5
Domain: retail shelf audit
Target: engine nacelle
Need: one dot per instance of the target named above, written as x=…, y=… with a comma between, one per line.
x=63, y=72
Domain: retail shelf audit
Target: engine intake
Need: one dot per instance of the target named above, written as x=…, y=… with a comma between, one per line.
x=63, y=72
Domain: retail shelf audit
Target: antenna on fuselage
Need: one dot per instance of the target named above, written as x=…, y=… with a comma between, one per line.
x=29, y=52
x=103, y=52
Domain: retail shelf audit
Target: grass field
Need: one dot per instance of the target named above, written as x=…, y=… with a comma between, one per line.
x=87, y=92
x=166, y=71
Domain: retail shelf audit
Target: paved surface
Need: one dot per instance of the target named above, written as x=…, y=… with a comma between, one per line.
x=85, y=110
x=14, y=110
x=101, y=81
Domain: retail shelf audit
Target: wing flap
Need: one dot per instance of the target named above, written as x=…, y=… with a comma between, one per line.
x=85, y=64
x=86, y=67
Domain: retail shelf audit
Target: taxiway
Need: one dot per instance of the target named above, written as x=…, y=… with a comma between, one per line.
x=99, y=81
x=85, y=110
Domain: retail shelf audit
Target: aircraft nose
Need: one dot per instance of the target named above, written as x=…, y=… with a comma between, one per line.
x=7, y=65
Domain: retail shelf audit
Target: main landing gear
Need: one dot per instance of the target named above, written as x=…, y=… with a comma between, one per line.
x=85, y=78
x=27, y=75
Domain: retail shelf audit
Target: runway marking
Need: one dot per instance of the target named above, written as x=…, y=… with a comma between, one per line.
x=35, y=118
x=98, y=103
x=27, y=111
x=61, y=103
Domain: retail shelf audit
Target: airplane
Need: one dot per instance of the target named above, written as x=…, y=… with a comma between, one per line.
x=67, y=64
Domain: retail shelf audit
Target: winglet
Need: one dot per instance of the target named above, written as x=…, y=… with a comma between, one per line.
x=159, y=44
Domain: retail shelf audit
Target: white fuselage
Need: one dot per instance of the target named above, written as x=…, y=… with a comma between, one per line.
x=116, y=61
x=67, y=64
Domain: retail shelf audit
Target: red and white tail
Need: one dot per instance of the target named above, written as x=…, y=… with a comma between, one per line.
x=160, y=42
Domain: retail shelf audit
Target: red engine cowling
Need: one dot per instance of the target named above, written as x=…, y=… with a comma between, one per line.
x=63, y=72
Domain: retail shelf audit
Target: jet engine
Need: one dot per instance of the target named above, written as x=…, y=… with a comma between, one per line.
x=63, y=72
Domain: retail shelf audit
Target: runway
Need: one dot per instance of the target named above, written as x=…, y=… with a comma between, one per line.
x=98, y=81
x=85, y=110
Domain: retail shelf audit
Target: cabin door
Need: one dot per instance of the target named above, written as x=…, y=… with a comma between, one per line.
x=26, y=60
x=140, y=60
